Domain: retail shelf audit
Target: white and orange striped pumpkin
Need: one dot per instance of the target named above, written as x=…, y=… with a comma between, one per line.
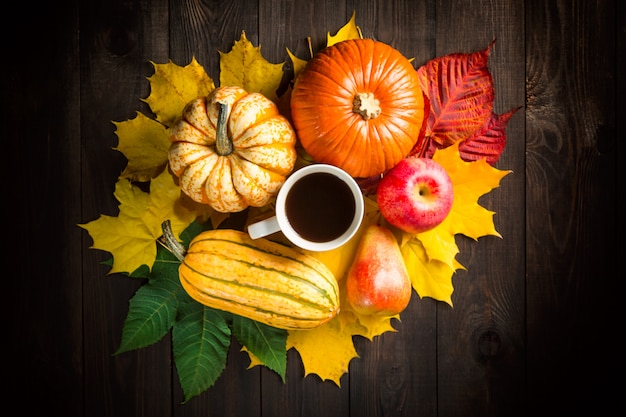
x=232, y=149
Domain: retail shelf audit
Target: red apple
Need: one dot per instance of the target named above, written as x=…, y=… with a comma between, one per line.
x=378, y=281
x=415, y=195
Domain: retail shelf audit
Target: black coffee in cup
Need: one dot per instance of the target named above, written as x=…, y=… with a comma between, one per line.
x=320, y=207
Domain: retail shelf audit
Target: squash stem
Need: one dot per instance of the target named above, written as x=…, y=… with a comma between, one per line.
x=171, y=243
x=223, y=144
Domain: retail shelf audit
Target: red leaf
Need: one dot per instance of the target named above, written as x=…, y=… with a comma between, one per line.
x=461, y=92
x=489, y=142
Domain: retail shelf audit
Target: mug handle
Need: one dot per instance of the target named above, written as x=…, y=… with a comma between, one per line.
x=263, y=228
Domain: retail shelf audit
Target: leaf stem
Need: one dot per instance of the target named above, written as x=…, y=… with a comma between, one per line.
x=171, y=243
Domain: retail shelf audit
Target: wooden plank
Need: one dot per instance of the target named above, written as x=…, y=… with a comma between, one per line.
x=300, y=394
x=43, y=349
x=571, y=200
x=396, y=373
x=481, y=339
x=236, y=393
x=118, y=39
x=412, y=31
x=202, y=30
x=286, y=24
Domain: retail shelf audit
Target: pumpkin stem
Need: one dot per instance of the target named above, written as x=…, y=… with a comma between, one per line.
x=171, y=243
x=366, y=105
x=223, y=145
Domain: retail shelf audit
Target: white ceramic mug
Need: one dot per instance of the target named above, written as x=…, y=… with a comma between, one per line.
x=319, y=207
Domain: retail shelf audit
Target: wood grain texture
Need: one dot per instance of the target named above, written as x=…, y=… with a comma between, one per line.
x=481, y=340
x=43, y=296
x=202, y=29
x=112, y=81
x=570, y=177
x=534, y=324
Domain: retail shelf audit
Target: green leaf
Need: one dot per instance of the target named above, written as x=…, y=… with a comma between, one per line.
x=266, y=343
x=200, y=339
x=142, y=272
x=191, y=231
x=151, y=314
x=152, y=310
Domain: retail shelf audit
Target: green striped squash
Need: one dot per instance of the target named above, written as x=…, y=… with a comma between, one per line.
x=259, y=279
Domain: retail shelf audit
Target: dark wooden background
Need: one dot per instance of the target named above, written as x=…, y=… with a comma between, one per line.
x=535, y=325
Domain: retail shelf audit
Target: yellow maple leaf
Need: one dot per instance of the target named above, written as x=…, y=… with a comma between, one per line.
x=254, y=360
x=438, y=244
x=325, y=351
x=430, y=256
x=348, y=31
x=297, y=63
x=471, y=181
x=245, y=67
x=172, y=87
x=144, y=143
x=372, y=325
x=429, y=278
x=131, y=236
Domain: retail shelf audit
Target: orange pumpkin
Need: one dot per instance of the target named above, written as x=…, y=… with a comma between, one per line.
x=231, y=149
x=358, y=105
